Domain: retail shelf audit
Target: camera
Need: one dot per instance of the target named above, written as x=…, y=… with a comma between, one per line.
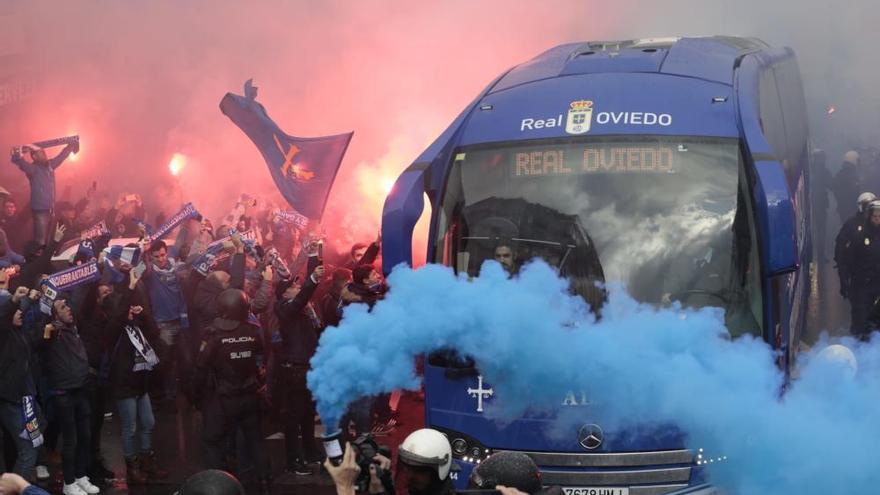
x=367, y=448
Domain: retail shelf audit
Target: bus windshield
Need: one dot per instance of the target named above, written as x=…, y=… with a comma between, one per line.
x=668, y=217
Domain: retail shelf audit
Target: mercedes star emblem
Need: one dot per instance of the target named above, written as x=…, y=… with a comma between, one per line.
x=590, y=436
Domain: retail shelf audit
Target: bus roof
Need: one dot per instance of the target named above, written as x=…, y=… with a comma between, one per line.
x=711, y=58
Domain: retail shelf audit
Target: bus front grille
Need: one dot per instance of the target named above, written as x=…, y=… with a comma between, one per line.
x=645, y=473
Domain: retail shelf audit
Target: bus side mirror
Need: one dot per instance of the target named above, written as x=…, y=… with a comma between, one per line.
x=777, y=224
x=402, y=210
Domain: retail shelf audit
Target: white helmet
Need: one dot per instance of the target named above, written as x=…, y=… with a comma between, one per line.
x=429, y=448
x=851, y=156
x=841, y=356
x=864, y=199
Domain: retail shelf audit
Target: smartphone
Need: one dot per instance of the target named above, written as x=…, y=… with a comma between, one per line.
x=320, y=252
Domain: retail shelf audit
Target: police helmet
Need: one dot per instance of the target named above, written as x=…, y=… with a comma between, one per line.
x=233, y=304
x=841, y=356
x=211, y=482
x=511, y=469
x=864, y=199
x=427, y=448
x=873, y=206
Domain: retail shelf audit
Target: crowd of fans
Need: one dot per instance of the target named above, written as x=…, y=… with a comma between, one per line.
x=140, y=336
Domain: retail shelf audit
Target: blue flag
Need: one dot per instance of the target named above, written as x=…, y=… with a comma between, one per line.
x=303, y=168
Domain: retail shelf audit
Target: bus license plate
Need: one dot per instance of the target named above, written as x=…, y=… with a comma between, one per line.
x=597, y=490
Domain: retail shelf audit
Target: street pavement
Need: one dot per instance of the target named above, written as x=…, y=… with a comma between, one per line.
x=177, y=441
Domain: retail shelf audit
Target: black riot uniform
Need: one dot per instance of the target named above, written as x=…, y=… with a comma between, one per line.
x=864, y=262
x=227, y=373
x=850, y=233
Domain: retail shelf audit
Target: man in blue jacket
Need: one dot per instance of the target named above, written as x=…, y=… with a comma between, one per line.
x=40, y=172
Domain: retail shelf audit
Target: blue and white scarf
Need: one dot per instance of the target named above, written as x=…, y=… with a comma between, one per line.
x=31, y=429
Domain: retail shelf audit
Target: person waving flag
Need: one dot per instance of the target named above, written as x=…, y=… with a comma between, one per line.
x=302, y=168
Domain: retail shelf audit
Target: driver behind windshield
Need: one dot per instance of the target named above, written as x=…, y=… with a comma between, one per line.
x=505, y=255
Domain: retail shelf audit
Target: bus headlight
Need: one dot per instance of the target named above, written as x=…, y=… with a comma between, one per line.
x=465, y=447
x=459, y=446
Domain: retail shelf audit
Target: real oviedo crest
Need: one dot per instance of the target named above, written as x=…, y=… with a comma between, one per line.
x=580, y=116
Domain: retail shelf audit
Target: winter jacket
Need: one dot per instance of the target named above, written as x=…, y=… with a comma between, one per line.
x=863, y=258
x=93, y=319
x=64, y=358
x=846, y=186
x=299, y=332
x=9, y=256
x=328, y=308
x=15, y=226
x=31, y=271
x=124, y=381
x=42, y=178
x=844, y=245
x=164, y=285
x=15, y=356
x=209, y=289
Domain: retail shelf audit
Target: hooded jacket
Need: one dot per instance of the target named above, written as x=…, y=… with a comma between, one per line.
x=93, y=319
x=15, y=355
x=65, y=359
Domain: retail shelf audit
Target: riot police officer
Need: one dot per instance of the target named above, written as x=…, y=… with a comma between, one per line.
x=847, y=183
x=231, y=355
x=864, y=261
x=849, y=234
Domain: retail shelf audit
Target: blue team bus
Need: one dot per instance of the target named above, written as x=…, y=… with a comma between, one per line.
x=676, y=166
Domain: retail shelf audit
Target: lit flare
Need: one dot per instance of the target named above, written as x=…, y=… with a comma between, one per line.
x=176, y=164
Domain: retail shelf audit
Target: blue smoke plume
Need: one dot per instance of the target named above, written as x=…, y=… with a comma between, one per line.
x=641, y=365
